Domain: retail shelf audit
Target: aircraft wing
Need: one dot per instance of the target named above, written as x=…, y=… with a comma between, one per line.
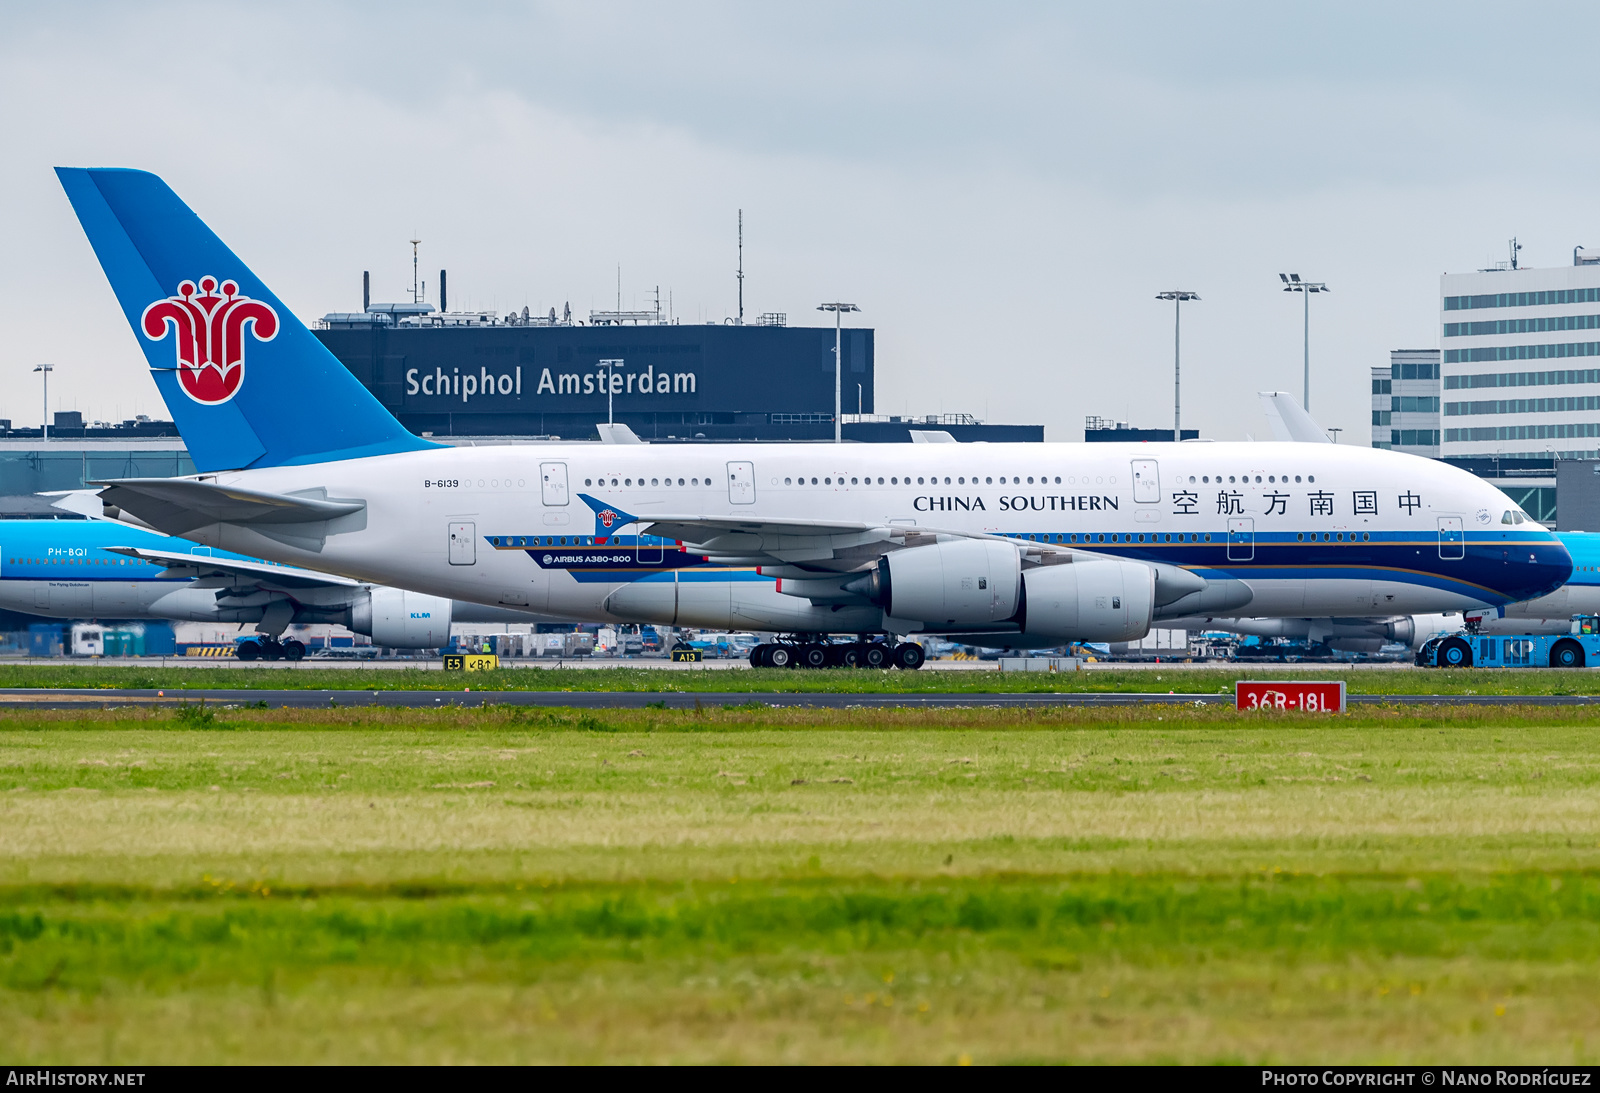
x=201, y=566
x=822, y=544
x=179, y=505
x=773, y=541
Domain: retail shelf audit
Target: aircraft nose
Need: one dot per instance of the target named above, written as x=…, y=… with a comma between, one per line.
x=1537, y=567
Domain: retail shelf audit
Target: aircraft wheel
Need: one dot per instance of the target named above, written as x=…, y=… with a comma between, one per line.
x=875, y=655
x=850, y=656
x=246, y=650
x=293, y=650
x=1455, y=653
x=1566, y=654
x=908, y=656
x=813, y=656
x=779, y=656
x=758, y=656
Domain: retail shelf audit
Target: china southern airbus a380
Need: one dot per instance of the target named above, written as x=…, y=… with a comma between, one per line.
x=1003, y=544
x=77, y=569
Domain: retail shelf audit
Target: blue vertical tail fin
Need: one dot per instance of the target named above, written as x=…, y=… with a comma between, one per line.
x=247, y=384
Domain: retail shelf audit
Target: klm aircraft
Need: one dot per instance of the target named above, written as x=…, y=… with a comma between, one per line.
x=80, y=569
x=1023, y=545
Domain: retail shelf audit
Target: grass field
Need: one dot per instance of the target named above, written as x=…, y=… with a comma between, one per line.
x=749, y=884
x=1469, y=681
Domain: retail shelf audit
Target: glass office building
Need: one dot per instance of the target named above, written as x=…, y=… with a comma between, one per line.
x=30, y=467
x=1520, y=362
x=1405, y=403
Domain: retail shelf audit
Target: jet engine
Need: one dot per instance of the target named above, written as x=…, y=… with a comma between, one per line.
x=1089, y=601
x=402, y=620
x=962, y=585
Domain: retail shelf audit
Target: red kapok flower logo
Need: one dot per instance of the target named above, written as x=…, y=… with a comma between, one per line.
x=210, y=328
x=606, y=518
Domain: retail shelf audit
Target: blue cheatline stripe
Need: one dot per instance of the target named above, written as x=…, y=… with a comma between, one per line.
x=1245, y=571
x=699, y=575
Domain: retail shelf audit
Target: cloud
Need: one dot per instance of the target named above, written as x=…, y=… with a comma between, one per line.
x=1003, y=189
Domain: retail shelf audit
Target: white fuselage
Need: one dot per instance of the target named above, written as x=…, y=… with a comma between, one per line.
x=1312, y=529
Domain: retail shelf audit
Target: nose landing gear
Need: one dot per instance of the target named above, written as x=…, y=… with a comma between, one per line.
x=261, y=647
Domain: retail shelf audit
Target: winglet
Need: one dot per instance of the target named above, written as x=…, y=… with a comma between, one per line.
x=1289, y=420
x=606, y=517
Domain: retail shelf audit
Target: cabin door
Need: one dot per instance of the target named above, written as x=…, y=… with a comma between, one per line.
x=553, y=483
x=1241, y=539
x=464, y=544
x=1146, y=482
x=742, y=483
x=1452, y=538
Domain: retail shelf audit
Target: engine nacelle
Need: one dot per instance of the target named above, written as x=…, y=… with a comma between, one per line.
x=1089, y=601
x=964, y=584
x=399, y=619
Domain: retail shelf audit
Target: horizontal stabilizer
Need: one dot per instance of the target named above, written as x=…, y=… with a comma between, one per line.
x=179, y=505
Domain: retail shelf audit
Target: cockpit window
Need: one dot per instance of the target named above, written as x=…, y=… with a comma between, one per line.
x=1512, y=516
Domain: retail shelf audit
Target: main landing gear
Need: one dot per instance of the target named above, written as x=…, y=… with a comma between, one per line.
x=907, y=655
x=265, y=648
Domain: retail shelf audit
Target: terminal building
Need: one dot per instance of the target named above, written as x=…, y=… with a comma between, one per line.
x=1405, y=403
x=1521, y=361
x=1406, y=414
x=477, y=374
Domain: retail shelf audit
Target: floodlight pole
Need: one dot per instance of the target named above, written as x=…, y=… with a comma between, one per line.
x=1177, y=296
x=838, y=310
x=44, y=426
x=610, y=367
x=1293, y=283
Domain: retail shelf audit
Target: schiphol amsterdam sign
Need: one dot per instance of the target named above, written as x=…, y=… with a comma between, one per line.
x=466, y=384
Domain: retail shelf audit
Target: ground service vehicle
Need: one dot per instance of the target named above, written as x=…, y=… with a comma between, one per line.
x=1575, y=649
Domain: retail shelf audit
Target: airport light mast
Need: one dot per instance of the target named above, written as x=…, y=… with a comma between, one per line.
x=1177, y=296
x=44, y=426
x=838, y=310
x=1292, y=283
x=610, y=366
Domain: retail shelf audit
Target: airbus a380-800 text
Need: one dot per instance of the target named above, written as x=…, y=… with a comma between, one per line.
x=1020, y=545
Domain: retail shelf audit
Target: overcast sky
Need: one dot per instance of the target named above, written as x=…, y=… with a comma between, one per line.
x=1003, y=188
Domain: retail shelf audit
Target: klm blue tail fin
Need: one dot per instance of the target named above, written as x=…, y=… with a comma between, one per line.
x=247, y=384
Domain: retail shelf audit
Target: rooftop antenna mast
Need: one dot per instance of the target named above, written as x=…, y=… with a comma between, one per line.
x=416, y=295
x=1515, y=247
x=741, y=267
